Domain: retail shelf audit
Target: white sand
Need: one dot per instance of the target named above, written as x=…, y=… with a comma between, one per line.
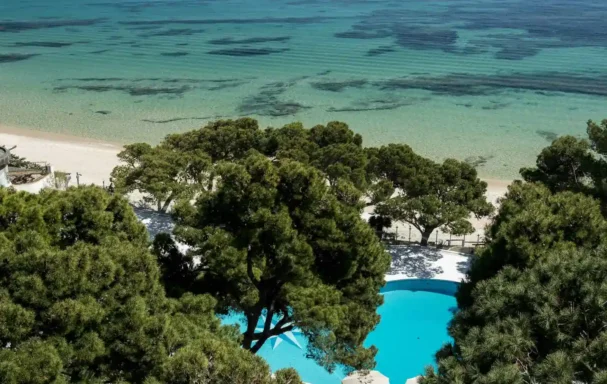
x=94, y=160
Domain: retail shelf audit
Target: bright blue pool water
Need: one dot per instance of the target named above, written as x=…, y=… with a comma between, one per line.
x=414, y=319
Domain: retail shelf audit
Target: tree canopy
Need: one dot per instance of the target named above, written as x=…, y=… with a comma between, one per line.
x=572, y=164
x=542, y=324
x=533, y=306
x=81, y=302
x=563, y=166
x=333, y=149
x=272, y=240
x=221, y=140
x=532, y=223
x=178, y=167
x=162, y=174
x=430, y=195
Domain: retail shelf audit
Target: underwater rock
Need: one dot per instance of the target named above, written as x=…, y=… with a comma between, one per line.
x=380, y=50
x=174, y=54
x=338, y=86
x=18, y=26
x=42, y=44
x=547, y=135
x=12, y=57
x=252, y=40
x=244, y=51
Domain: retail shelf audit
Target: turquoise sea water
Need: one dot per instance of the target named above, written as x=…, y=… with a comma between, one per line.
x=491, y=81
x=413, y=327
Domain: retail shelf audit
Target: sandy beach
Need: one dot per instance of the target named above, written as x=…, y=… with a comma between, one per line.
x=95, y=159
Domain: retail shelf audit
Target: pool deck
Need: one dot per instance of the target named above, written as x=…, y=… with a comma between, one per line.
x=416, y=262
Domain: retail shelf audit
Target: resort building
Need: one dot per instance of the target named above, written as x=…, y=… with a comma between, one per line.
x=31, y=178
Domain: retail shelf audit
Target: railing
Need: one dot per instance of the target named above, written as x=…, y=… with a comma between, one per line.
x=5, y=157
x=438, y=239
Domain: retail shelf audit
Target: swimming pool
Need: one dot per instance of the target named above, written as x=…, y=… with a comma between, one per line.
x=413, y=327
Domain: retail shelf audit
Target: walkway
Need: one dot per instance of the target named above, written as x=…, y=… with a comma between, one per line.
x=416, y=262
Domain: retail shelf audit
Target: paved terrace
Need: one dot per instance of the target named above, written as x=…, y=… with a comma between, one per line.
x=416, y=262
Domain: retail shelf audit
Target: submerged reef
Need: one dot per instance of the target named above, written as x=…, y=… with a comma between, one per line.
x=245, y=51
x=338, y=86
x=12, y=57
x=268, y=103
x=251, y=40
x=19, y=26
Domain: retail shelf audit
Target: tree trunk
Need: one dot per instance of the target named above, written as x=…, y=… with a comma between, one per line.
x=247, y=341
x=165, y=206
x=426, y=236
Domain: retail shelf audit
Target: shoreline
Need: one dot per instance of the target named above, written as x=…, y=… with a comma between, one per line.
x=95, y=159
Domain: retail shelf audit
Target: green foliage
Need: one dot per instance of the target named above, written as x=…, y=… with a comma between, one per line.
x=334, y=149
x=61, y=179
x=396, y=163
x=80, y=301
x=178, y=168
x=531, y=223
x=21, y=162
x=177, y=269
x=333, y=133
x=570, y=164
x=162, y=174
x=221, y=140
x=272, y=239
x=378, y=223
x=342, y=162
x=543, y=324
x=563, y=166
x=289, y=142
x=287, y=376
x=597, y=134
x=533, y=307
x=379, y=191
x=432, y=195
x=62, y=219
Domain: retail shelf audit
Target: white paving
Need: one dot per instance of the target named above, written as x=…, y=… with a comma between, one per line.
x=416, y=262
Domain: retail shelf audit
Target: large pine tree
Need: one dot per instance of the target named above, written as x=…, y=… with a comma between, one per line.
x=81, y=302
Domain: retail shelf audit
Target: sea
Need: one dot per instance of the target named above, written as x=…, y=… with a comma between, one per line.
x=490, y=82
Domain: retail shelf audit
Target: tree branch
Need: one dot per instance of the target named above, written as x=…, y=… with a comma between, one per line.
x=167, y=202
x=250, y=271
x=279, y=329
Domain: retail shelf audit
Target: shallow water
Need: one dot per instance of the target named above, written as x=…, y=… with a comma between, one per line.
x=491, y=81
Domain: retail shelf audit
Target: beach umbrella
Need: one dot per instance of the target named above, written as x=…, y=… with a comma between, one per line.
x=365, y=377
